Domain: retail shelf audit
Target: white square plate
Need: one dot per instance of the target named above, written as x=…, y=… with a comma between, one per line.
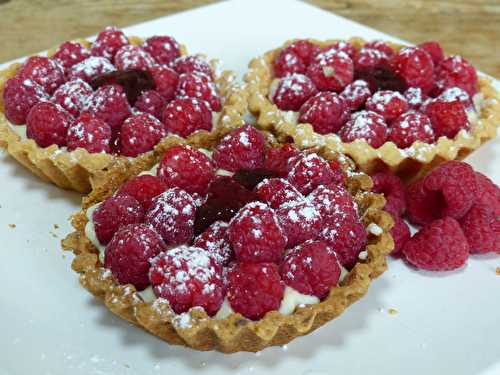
x=49, y=325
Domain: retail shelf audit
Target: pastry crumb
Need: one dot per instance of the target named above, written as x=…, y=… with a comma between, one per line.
x=392, y=311
x=12, y=225
x=497, y=271
x=56, y=226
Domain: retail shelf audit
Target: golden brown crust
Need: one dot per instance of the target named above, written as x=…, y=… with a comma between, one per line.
x=409, y=164
x=235, y=333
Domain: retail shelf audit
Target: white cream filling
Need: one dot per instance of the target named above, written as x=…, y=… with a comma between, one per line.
x=224, y=311
x=293, y=298
x=90, y=232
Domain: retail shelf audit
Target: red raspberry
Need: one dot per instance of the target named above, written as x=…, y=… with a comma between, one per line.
x=415, y=97
x=414, y=65
x=133, y=57
x=331, y=71
x=299, y=221
x=304, y=49
x=342, y=45
x=90, y=68
x=368, y=59
x=277, y=159
x=277, y=191
x=456, y=93
x=90, y=133
x=164, y=49
x=447, y=118
x=366, y=125
x=255, y=289
x=172, y=214
x=44, y=71
x=355, y=94
x=165, y=81
x=70, y=53
x=191, y=64
x=409, y=128
x=394, y=192
x=325, y=111
x=72, y=96
x=381, y=46
x=184, y=116
x=114, y=213
x=19, y=96
x=311, y=268
x=243, y=148
x=129, y=251
x=339, y=176
x=388, y=104
x=434, y=50
x=140, y=133
x=110, y=104
x=256, y=235
x=400, y=232
x=308, y=171
x=48, y=124
x=482, y=229
x=150, y=102
x=200, y=86
x=188, y=277
x=332, y=199
x=214, y=240
x=455, y=71
x=487, y=193
x=288, y=62
x=143, y=188
x=186, y=168
x=439, y=246
x=108, y=42
x=292, y=91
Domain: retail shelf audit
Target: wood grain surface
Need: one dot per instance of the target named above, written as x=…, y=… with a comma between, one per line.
x=467, y=27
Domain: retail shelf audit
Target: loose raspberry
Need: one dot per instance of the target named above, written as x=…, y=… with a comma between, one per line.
x=70, y=53
x=344, y=46
x=172, y=214
x=277, y=191
x=243, y=148
x=311, y=268
x=394, y=192
x=332, y=199
x=331, y=71
x=381, y=46
x=192, y=64
x=439, y=246
x=277, y=159
x=110, y=104
x=184, y=116
x=140, y=133
x=368, y=59
x=411, y=127
x=434, y=50
x=115, y=212
x=72, y=96
x=214, y=240
x=164, y=49
x=355, y=94
x=304, y=49
x=414, y=65
x=366, y=125
x=456, y=93
x=487, y=193
x=325, y=111
x=388, y=104
x=256, y=235
x=455, y=71
x=150, y=102
x=44, y=71
x=288, y=62
x=133, y=57
x=447, y=118
x=255, y=289
x=143, y=188
x=19, y=96
x=90, y=133
x=90, y=68
x=165, y=81
x=292, y=91
x=415, y=97
x=108, y=42
x=198, y=85
x=188, y=277
x=308, y=171
x=482, y=229
x=129, y=251
x=48, y=124
x=299, y=221
x=400, y=232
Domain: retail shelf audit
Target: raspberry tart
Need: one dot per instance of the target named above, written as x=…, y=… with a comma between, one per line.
x=403, y=109
x=232, y=242
x=70, y=115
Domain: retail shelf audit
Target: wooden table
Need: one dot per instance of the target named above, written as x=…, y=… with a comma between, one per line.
x=467, y=27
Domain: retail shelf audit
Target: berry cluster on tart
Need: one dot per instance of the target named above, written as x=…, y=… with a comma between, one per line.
x=233, y=243
x=389, y=107
x=71, y=114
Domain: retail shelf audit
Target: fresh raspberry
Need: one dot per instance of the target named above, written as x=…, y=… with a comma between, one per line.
x=255, y=289
x=184, y=116
x=172, y=214
x=256, y=235
x=332, y=199
x=434, y=50
x=19, y=96
x=110, y=104
x=304, y=49
x=331, y=71
x=164, y=49
x=44, y=71
x=214, y=240
x=48, y=124
x=198, y=85
x=400, y=232
x=186, y=168
x=366, y=125
x=165, y=81
x=191, y=64
x=355, y=94
x=277, y=191
x=90, y=133
x=411, y=127
x=188, y=277
x=439, y=246
x=456, y=93
x=288, y=62
x=388, y=104
x=487, y=193
x=292, y=91
x=72, y=96
x=277, y=159
x=415, y=97
x=455, y=71
x=108, y=42
x=394, y=192
x=308, y=171
x=447, y=118
x=414, y=65
x=140, y=133
x=339, y=176
x=311, y=268
x=299, y=221
x=114, y=213
x=150, y=102
x=90, y=68
x=243, y=148
x=482, y=229
x=143, y=188
x=381, y=46
x=342, y=45
x=368, y=59
x=133, y=57
x=129, y=251
x=325, y=111
x=70, y=53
